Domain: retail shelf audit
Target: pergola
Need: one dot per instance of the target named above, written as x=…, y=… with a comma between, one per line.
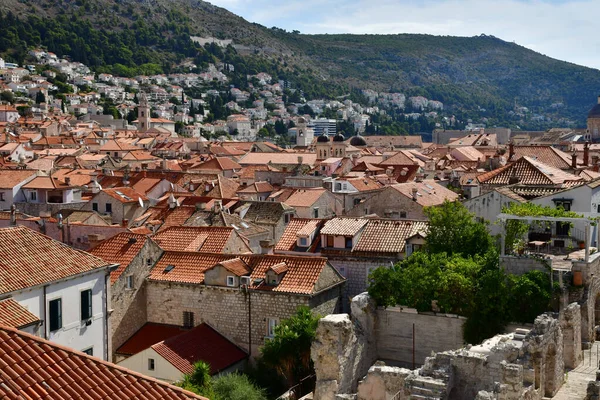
x=588, y=219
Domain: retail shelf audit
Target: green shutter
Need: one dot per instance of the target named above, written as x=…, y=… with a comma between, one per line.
x=55, y=315
x=86, y=304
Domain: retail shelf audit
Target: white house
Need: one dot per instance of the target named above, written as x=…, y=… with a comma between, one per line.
x=11, y=182
x=63, y=289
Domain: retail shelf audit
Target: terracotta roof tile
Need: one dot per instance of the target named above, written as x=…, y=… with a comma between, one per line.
x=31, y=367
x=201, y=343
x=28, y=258
x=125, y=194
x=120, y=249
x=236, y=266
x=10, y=178
x=548, y=155
x=385, y=236
x=529, y=171
x=149, y=334
x=189, y=267
x=278, y=268
x=343, y=226
x=15, y=315
x=278, y=159
x=429, y=192
x=208, y=239
x=305, y=197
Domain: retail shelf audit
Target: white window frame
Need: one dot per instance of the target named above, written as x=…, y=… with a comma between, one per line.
x=230, y=281
x=129, y=282
x=271, y=324
x=33, y=195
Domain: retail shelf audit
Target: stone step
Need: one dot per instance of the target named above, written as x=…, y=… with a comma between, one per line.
x=419, y=397
x=423, y=391
x=429, y=383
x=522, y=331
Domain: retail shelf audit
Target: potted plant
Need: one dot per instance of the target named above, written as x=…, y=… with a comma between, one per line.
x=519, y=247
x=581, y=244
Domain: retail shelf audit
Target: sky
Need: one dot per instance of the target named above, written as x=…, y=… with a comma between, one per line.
x=563, y=29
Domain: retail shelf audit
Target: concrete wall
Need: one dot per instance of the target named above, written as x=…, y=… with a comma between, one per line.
x=433, y=333
x=521, y=265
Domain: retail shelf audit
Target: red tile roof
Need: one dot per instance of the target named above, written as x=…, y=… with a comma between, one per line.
x=125, y=194
x=28, y=258
x=202, y=343
x=208, y=239
x=343, y=226
x=305, y=197
x=429, y=193
x=288, y=240
x=120, y=249
x=10, y=178
x=218, y=164
x=529, y=171
x=548, y=155
x=15, y=315
x=385, y=236
x=31, y=367
x=149, y=334
x=189, y=267
x=236, y=266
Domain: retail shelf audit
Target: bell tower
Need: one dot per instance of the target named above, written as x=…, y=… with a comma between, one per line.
x=144, y=120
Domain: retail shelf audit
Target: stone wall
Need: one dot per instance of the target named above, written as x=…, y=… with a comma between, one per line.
x=230, y=310
x=129, y=305
x=433, y=333
x=524, y=365
x=520, y=265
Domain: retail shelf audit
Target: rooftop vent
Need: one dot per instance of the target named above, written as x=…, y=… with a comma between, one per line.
x=132, y=240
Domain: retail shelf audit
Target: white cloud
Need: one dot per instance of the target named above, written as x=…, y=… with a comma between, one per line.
x=566, y=30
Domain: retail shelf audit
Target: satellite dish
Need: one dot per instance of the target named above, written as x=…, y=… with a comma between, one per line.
x=141, y=202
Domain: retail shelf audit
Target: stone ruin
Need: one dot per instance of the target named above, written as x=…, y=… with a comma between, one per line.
x=525, y=364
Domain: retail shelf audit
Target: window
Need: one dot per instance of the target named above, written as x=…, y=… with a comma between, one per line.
x=116, y=154
x=230, y=281
x=151, y=364
x=33, y=196
x=271, y=324
x=303, y=241
x=129, y=282
x=86, y=304
x=356, y=202
x=348, y=240
x=316, y=212
x=89, y=352
x=287, y=218
x=108, y=208
x=55, y=315
x=329, y=241
x=149, y=262
x=1, y=196
x=188, y=319
x=338, y=186
x=402, y=214
x=95, y=207
x=342, y=271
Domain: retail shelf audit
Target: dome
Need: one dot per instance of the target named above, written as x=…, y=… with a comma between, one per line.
x=339, y=137
x=594, y=112
x=358, y=141
x=323, y=138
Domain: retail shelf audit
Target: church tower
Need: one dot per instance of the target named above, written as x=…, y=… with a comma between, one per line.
x=144, y=120
x=304, y=134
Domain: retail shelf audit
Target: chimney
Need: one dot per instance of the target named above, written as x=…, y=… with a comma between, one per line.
x=574, y=160
x=266, y=247
x=511, y=150
x=414, y=193
x=200, y=206
x=586, y=153
x=125, y=222
x=172, y=201
x=163, y=164
x=13, y=215
x=68, y=180
x=218, y=206
x=300, y=160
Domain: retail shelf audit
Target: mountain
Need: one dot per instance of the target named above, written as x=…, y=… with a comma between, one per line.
x=475, y=77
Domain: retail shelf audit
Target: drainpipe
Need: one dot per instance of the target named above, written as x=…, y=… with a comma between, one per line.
x=45, y=319
x=249, y=323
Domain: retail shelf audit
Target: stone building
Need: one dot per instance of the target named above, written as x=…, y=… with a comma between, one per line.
x=234, y=295
x=135, y=254
x=526, y=364
x=404, y=200
x=272, y=216
x=123, y=204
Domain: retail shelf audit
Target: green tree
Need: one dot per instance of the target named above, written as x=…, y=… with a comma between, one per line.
x=7, y=96
x=236, y=387
x=453, y=229
x=40, y=98
x=288, y=352
x=199, y=381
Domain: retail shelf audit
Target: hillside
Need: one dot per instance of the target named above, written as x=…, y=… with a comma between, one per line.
x=467, y=74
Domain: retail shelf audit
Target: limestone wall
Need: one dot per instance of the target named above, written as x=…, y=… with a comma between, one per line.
x=521, y=265
x=433, y=333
